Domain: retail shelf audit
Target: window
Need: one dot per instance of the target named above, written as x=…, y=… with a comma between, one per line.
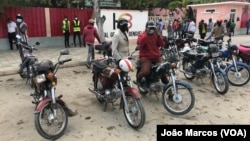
x=210, y=10
x=232, y=14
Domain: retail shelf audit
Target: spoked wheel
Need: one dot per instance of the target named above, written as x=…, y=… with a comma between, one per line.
x=49, y=125
x=135, y=115
x=178, y=103
x=239, y=77
x=187, y=68
x=220, y=82
x=23, y=73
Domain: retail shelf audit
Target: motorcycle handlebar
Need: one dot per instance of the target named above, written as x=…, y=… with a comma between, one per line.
x=27, y=46
x=64, y=61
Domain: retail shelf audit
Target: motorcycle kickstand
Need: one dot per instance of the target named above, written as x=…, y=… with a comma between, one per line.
x=106, y=105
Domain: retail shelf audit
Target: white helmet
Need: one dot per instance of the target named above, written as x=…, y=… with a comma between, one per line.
x=125, y=65
x=185, y=49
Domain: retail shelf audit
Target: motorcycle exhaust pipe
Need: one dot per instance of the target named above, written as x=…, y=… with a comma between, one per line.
x=95, y=92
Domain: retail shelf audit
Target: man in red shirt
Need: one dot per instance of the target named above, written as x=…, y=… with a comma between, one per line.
x=89, y=35
x=149, y=41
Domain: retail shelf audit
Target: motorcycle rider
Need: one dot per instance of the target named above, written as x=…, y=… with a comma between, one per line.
x=120, y=41
x=150, y=41
x=218, y=30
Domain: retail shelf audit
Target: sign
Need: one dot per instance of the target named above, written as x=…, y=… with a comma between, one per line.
x=104, y=3
x=136, y=21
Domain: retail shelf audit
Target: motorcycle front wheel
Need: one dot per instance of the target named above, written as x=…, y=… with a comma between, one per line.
x=187, y=68
x=49, y=125
x=239, y=78
x=221, y=84
x=178, y=103
x=135, y=115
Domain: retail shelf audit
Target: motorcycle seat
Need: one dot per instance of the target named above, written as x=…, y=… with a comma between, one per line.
x=98, y=66
x=195, y=55
x=246, y=46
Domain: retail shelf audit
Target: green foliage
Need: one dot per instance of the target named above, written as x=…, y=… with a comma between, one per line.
x=138, y=4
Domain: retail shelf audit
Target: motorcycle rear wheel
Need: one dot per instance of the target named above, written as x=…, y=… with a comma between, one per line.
x=180, y=103
x=239, y=78
x=222, y=84
x=23, y=73
x=136, y=115
x=45, y=122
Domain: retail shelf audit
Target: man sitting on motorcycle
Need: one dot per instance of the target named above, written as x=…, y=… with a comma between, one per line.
x=149, y=41
x=218, y=30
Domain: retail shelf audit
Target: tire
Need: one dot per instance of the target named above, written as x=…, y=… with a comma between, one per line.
x=222, y=85
x=187, y=68
x=136, y=115
x=239, y=78
x=43, y=116
x=174, y=103
x=23, y=73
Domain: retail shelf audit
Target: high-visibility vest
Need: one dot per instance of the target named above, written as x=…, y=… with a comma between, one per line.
x=77, y=25
x=65, y=26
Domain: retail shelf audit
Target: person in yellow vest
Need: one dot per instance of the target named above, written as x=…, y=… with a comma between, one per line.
x=77, y=31
x=66, y=30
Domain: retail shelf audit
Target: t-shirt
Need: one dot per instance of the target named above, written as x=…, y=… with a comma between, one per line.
x=11, y=27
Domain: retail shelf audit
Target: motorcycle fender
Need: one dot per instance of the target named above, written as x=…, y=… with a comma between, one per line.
x=45, y=101
x=219, y=70
x=238, y=64
x=132, y=91
x=178, y=82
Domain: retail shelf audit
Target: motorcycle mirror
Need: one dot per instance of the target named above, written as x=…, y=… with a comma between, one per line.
x=37, y=43
x=64, y=52
x=18, y=36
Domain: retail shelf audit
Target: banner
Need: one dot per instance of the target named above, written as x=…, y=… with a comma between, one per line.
x=208, y=132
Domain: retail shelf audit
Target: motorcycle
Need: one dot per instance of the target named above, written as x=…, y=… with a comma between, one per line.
x=243, y=54
x=238, y=73
x=199, y=65
x=174, y=93
x=111, y=82
x=51, y=112
x=26, y=69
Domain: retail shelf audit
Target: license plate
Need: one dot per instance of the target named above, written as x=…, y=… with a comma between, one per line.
x=40, y=78
x=215, y=54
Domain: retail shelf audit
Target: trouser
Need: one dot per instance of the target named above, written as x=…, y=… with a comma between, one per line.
x=66, y=38
x=12, y=37
x=77, y=33
x=202, y=35
x=146, y=67
x=91, y=53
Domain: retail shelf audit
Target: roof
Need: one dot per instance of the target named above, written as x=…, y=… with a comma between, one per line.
x=220, y=3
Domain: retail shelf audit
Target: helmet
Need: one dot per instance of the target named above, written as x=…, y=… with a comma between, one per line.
x=150, y=24
x=121, y=22
x=125, y=65
x=219, y=20
x=185, y=49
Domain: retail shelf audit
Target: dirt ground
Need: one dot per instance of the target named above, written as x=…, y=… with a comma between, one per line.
x=93, y=124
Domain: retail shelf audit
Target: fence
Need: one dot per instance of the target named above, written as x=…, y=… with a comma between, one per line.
x=43, y=22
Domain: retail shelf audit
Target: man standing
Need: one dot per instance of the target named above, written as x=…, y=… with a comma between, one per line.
x=248, y=26
x=22, y=28
x=77, y=31
x=210, y=26
x=66, y=30
x=11, y=27
x=89, y=35
x=202, y=29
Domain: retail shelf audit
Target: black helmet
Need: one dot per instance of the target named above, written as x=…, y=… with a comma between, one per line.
x=121, y=22
x=150, y=24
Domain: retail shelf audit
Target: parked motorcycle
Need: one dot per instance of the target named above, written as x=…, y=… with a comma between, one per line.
x=199, y=65
x=26, y=69
x=238, y=73
x=177, y=95
x=111, y=82
x=51, y=112
x=243, y=53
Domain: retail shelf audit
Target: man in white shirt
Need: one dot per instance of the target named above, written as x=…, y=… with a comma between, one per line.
x=191, y=27
x=11, y=27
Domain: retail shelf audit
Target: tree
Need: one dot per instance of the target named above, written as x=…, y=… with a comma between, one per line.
x=99, y=20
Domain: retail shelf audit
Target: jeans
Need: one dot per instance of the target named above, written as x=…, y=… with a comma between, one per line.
x=91, y=53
